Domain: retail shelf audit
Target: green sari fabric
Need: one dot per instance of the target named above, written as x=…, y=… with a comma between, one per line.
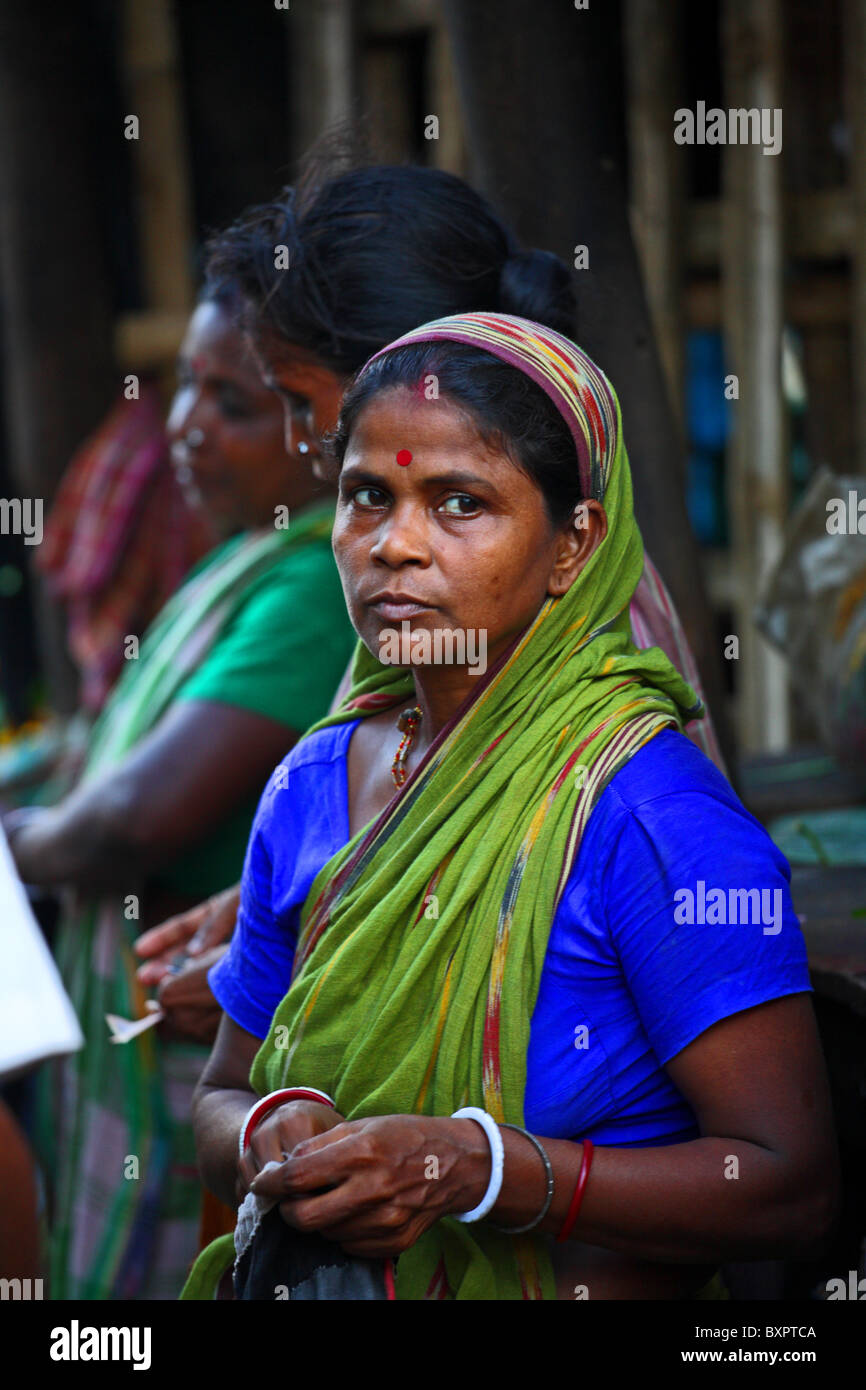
x=113, y=1126
x=394, y=1009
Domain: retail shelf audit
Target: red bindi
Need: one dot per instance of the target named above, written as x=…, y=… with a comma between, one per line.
x=404, y=458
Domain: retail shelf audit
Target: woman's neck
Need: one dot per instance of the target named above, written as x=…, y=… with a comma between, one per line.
x=440, y=691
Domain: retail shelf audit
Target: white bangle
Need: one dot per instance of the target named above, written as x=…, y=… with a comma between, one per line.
x=497, y=1161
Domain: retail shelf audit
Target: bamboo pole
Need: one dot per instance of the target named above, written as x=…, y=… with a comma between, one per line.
x=160, y=153
x=656, y=167
x=855, y=94
x=753, y=318
x=321, y=38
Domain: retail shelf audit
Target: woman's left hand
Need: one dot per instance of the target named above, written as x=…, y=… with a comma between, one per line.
x=388, y=1179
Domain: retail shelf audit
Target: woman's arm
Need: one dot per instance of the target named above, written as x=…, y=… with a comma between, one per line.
x=222, y=1099
x=757, y=1083
x=201, y=760
x=761, y=1182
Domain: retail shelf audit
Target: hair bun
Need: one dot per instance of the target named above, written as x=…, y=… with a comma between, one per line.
x=537, y=285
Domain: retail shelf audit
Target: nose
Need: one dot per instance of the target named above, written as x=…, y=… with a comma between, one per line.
x=185, y=414
x=402, y=538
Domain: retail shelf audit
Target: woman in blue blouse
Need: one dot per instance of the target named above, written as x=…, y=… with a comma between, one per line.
x=542, y=899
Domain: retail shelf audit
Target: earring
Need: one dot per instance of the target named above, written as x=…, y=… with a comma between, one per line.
x=303, y=447
x=194, y=438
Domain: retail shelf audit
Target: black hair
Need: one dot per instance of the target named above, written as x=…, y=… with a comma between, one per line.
x=377, y=250
x=506, y=407
x=223, y=293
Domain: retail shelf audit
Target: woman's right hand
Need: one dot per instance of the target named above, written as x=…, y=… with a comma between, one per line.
x=188, y=934
x=278, y=1133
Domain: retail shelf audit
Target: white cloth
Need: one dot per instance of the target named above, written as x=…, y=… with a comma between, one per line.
x=37, y=1020
x=251, y=1212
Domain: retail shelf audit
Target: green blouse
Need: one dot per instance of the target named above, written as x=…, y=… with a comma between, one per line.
x=282, y=656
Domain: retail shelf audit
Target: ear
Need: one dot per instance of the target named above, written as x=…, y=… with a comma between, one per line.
x=578, y=539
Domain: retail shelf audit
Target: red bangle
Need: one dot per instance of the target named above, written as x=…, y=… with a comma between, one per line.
x=577, y=1198
x=263, y=1107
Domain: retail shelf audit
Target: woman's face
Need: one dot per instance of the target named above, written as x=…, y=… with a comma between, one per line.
x=310, y=394
x=225, y=428
x=458, y=538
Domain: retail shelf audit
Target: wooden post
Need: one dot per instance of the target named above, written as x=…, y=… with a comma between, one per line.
x=652, y=48
x=753, y=318
x=544, y=133
x=154, y=97
x=449, y=151
x=855, y=94
x=323, y=74
x=57, y=328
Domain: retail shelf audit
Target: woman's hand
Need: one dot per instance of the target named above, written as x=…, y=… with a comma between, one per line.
x=389, y=1179
x=188, y=1001
x=181, y=951
x=279, y=1133
x=190, y=933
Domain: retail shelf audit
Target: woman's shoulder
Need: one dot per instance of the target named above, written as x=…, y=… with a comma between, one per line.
x=669, y=820
x=672, y=789
x=313, y=767
x=682, y=889
x=305, y=573
x=282, y=652
x=309, y=784
x=669, y=764
x=325, y=749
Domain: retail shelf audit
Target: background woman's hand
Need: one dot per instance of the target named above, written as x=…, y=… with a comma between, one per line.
x=190, y=933
x=389, y=1179
x=279, y=1133
x=191, y=1010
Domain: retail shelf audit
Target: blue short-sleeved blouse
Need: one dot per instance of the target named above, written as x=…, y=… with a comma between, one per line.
x=677, y=914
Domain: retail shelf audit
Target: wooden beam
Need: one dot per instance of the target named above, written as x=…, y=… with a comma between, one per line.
x=656, y=175
x=393, y=17
x=855, y=93
x=149, y=341
x=821, y=299
x=819, y=226
x=752, y=261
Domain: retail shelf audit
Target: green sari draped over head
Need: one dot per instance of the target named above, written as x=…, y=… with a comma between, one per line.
x=395, y=1009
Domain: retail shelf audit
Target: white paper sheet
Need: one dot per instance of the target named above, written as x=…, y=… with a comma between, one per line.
x=37, y=1019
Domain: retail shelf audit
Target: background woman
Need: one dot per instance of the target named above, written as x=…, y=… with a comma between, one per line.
x=467, y=922
x=239, y=662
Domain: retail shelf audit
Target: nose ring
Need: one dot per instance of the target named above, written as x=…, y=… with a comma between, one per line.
x=303, y=447
x=194, y=438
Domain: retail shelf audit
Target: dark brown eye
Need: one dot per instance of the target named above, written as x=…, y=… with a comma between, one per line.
x=464, y=505
x=368, y=497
